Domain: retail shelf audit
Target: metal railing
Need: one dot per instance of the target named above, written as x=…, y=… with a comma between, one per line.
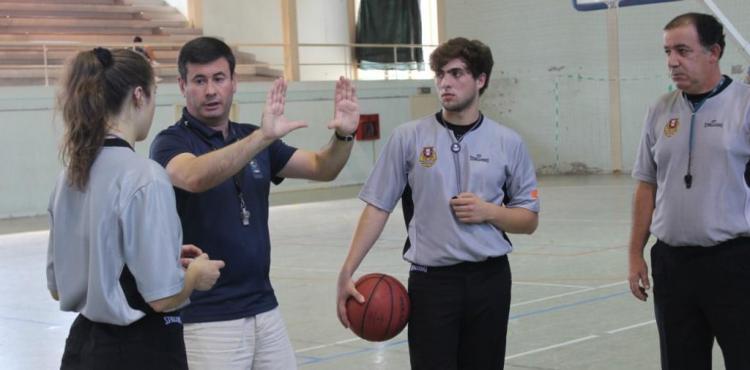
x=50, y=66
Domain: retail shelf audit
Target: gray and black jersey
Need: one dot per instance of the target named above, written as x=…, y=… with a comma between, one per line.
x=490, y=161
x=125, y=218
x=716, y=205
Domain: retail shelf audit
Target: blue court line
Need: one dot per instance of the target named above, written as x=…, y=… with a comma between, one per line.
x=314, y=359
x=563, y=306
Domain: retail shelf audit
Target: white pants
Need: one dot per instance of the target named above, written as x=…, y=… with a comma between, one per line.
x=259, y=342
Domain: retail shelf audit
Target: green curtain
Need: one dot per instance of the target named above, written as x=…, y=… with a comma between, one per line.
x=389, y=22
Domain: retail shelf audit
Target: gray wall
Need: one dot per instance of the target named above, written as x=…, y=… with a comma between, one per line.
x=32, y=129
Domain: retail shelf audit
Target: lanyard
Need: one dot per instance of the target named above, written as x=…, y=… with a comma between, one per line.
x=237, y=178
x=694, y=107
x=456, y=145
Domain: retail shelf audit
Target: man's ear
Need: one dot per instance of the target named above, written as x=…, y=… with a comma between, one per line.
x=182, y=84
x=482, y=80
x=715, y=50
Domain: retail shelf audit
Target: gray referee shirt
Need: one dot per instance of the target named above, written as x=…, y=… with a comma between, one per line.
x=717, y=206
x=127, y=215
x=418, y=153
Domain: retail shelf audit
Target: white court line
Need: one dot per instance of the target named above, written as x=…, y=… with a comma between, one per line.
x=613, y=331
x=551, y=297
x=326, y=345
x=17, y=238
x=563, y=344
x=567, y=294
x=611, y=284
x=551, y=284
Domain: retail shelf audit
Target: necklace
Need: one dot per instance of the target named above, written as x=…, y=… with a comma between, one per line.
x=454, y=137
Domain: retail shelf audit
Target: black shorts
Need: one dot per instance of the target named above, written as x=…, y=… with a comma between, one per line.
x=153, y=342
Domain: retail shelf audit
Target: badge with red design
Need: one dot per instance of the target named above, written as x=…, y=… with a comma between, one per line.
x=428, y=156
x=671, y=127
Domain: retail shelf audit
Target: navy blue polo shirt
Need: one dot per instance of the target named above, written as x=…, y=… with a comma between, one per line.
x=212, y=220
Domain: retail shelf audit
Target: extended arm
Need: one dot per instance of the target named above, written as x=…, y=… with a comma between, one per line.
x=643, y=208
x=370, y=225
x=200, y=173
x=326, y=163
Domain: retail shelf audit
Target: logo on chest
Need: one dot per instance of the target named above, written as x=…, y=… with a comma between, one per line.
x=479, y=158
x=428, y=156
x=255, y=169
x=671, y=127
x=713, y=123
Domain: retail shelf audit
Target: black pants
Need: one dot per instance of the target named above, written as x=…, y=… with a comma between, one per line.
x=153, y=342
x=459, y=316
x=701, y=294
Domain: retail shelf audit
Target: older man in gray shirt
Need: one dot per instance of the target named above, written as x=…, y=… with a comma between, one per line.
x=692, y=196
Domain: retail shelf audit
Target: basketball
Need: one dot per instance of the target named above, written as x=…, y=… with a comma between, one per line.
x=385, y=311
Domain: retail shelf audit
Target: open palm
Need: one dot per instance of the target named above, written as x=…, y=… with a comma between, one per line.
x=273, y=124
x=346, y=108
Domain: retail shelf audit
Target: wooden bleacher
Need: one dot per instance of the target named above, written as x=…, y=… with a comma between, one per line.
x=37, y=37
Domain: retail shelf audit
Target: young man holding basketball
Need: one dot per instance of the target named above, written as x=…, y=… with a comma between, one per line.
x=464, y=181
x=693, y=197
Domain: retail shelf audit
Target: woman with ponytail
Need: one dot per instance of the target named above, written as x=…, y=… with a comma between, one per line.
x=115, y=253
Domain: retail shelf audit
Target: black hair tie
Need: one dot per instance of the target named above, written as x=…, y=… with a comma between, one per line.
x=104, y=56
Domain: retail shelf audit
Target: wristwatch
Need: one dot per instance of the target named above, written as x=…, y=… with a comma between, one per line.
x=346, y=138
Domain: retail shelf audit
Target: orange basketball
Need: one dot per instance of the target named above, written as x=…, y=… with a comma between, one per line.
x=385, y=311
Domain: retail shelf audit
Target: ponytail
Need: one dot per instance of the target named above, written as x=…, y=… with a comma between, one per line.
x=95, y=86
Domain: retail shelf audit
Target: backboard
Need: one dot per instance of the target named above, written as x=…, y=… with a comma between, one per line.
x=586, y=5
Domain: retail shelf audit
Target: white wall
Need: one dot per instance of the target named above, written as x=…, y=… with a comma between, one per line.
x=248, y=22
x=260, y=21
x=549, y=84
x=32, y=131
x=550, y=77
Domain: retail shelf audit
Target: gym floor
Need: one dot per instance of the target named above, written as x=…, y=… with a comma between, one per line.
x=571, y=307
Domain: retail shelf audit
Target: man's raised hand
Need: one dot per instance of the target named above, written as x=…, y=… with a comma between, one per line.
x=273, y=124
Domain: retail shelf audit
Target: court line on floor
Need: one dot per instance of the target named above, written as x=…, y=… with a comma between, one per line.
x=30, y=321
x=382, y=346
x=593, y=250
x=547, y=298
x=534, y=283
x=314, y=359
x=578, y=340
x=614, y=331
x=307, y=349
x=558, y=345
x=327, y=345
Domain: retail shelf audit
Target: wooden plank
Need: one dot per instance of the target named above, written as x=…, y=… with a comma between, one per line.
x=291, y=43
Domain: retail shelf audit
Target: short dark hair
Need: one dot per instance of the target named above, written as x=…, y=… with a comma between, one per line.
x=137, y=39
x=710, y=31
x=476, y=55
x=204, y=50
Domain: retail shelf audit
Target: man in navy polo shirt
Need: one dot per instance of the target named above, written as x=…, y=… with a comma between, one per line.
x=222, y=173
